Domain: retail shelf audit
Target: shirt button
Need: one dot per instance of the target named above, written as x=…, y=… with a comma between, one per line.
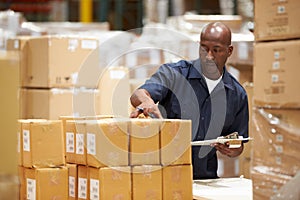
x=202, y=118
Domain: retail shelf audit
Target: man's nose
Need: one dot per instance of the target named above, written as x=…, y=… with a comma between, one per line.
x=209, y=55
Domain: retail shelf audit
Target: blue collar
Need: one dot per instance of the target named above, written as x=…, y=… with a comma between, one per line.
x=196, y=72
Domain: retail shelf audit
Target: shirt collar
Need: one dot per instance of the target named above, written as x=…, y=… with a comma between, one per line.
x=195, y=72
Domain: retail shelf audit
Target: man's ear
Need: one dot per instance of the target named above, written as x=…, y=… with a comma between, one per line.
x=230, y=49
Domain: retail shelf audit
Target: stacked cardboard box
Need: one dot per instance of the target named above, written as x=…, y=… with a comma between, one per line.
x=42, y=171
x=276, y=129
x=62, y=75
x=128, y=158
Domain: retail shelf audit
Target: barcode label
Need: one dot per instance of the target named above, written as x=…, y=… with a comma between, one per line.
x=91, y=144
x=82, y=188
x=26, y=140
x=70, y=144
x=79, y=143
x=31, y=189
x=72, y=186
x=94, y=189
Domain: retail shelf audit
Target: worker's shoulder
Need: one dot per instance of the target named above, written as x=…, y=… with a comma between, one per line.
x=180, y=64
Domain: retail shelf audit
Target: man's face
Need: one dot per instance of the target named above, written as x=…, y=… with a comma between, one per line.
x=213, y=54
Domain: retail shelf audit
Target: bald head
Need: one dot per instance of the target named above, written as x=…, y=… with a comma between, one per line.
x=217, y=31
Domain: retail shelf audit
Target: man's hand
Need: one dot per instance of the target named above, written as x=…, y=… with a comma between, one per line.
x=148, y=110
x=230, y=152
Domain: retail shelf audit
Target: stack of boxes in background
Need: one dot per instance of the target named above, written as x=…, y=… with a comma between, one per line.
x=276, y=127
x=105, y=158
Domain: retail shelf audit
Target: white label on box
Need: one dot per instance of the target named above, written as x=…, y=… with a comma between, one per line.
x=79, y=143
x=276, y=65
x=19, y=142
x=280, y=9
x=88, y=44
x=279, y=138
x=31, y=189
x=94, y=189
x=72, y=186
x=26, y=140
x=82, y=188
x=91, y=144
x=276, y=54
x=117, y=74
x=279, y=149
x=70, y=144
x=242, y=50
x=16, y=44
x=278, y=160
x=275, y=78
x=73, y=44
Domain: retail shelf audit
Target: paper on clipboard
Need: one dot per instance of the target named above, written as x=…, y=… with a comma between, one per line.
x=233, y=142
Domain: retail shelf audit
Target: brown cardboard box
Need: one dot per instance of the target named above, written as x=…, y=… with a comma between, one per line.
x=80, y=142
x=175, y=139
x=19, y=143
x=178, y=182
x=242, y=49
x=53, y=103
x=266, y=183
x=276, y=137
x=19, y=46
x=115, y=183
x=22, y=189
x=9, y=85
x=114, y=92
x=42, y=143
x=69, y=130
x=276, y=74
x=147, y=182
x=144, y=142
x=107, y=142
x=276, y=20
x=46, y=183
x=61, y=61
x=83, y=183
x=94, y=178
x=73, y=181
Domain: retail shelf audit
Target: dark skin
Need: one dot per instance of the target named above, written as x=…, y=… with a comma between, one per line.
x=215, y=48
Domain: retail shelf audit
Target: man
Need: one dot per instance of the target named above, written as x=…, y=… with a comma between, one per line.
x=203, y=91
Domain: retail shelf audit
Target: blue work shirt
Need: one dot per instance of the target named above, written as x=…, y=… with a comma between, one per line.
x=182, y=93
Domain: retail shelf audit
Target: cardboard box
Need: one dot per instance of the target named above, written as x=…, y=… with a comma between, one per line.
x=107, y=142
x=80, y=142
x=276, y=137
x=276, y=20
x=115, y=183
x=42, y=143
x=242, y=49
x=147, y=182
x=94, y=177
x=114, y=92
x=276, y=74
x=175, y=139
x=9, y=86
x=22, y=189
x=53, y=103
x=46, y=183
x=73, y=181
x=19, y=46
x=144, y=142
x=178, y=182
x=266, y=183
x=60, y=61
x=83, y=183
